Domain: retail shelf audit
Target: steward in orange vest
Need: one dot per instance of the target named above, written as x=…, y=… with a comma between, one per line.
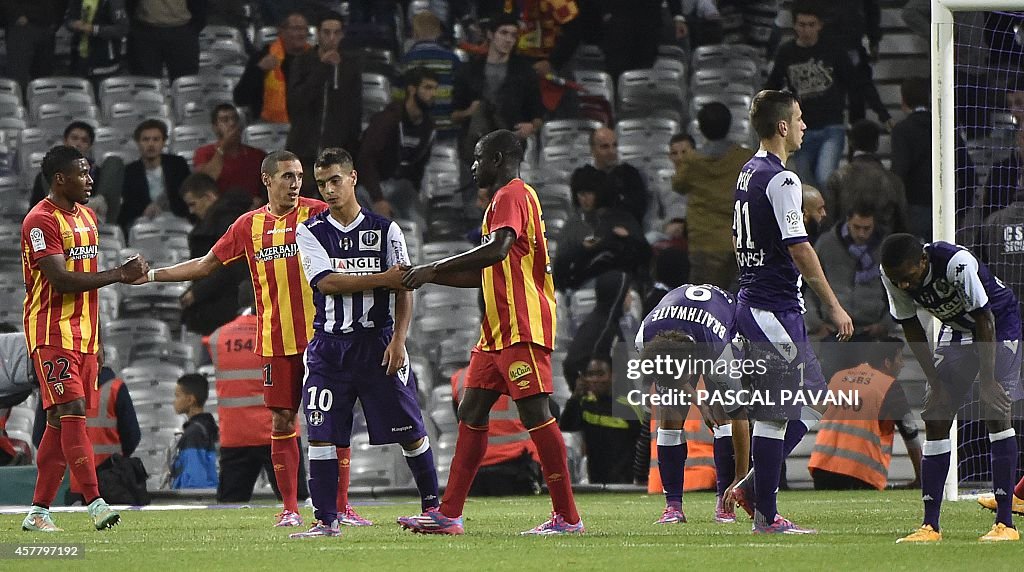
x=511, y=464
x=245, y=422
x=854, y=443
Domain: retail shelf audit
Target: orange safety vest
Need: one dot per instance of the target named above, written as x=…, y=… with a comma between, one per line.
x=507, y=438
x=699, y=471
x=244, y=420
x=862, y=447
x=101, y=423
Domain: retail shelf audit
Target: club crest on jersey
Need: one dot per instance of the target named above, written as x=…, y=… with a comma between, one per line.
x=35, y=236
x=518, y=370
x=316, y=418
x=58, y=387
x=369, y=239
x=345, y=243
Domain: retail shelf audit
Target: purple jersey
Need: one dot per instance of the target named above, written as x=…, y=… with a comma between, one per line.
x=957, y=284
x=704, y=312
x=369, y=245
x=767, y=219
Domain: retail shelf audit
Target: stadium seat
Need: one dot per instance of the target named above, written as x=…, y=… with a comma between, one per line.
x=13, y=198
x=157, y=230
x=140, y=330
x=440, y=184
x=437, y=250
x=596, y=83
x=651, y=92
x=125, y=88
x=653, y=131
x=185, y=139
x=266, y=136
x=731, y=100
x=175, y=353
x=209, y=36
x=265, y=35
x=9, y=86
x=161, y=300
x=200, y=89
x=376, y=93
x=12, y=299
x=716, y=54
x=589, y=57
x=11, y=128
x=221, y=53
x=10, y=106
x=568, y=133
x=54, y=89
x=54, y=117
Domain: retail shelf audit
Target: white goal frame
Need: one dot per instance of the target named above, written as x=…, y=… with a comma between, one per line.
x=944, y=145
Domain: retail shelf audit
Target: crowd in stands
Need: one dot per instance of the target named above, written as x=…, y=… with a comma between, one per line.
x=636, y=185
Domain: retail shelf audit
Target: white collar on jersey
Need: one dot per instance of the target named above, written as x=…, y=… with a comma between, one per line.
x=349, y=227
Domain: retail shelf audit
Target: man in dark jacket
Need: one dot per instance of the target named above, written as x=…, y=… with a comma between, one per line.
x=625, y=183
x=846, y=25
x=166, y=33
x=152, y=184
x=325, y=99
x=98, y=36
x=599, y=330
x=396, y=147
x=212, y=301
x=263, y=87
x=31, y=26
x=864, y=180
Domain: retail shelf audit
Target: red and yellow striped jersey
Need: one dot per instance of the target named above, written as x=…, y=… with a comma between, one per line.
x=519, y=293
x=67, y=321
x=284, y=301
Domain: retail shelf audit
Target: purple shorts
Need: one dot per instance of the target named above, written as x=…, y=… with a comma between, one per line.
x=779, y=338
x=341, y=369
x=957, y=366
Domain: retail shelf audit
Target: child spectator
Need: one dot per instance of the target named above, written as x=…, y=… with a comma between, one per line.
x=195, y=460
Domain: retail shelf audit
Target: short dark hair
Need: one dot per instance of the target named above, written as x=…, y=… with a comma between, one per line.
x=284, y=21
x=899, y=248
x=223, y=107
x=333, y=156
x=414, y=77
x=863, y=135
x=916, y=92
x=505, y=142
x=714, y=120
x=887, y=347
x=199, y=184
x=682, y=137
x=59, y=159
x=862, y=208
x=676, y=343
x=806, y=8
x=328, y=15
x=196, y=385
x=89, y=130
x=768, y=109
x=269, y=164
x=502, y=19
x=150, y=124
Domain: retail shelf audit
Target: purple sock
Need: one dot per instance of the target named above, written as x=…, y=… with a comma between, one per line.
x=421, y=463
x=323, y=482
x=767, y=452
x=725, y=463
x=934, y=468
x=672, y=453
x=1003, y=454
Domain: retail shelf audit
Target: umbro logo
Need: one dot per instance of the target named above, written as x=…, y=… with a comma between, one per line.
x=788, y=181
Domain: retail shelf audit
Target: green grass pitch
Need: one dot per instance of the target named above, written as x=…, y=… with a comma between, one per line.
x=857, y=531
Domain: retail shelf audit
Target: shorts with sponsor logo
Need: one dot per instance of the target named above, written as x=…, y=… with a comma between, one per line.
x=520, y=370
x=282, y=381
x=777, y=340
x=342, y=369
x=957, y=364
x=66, y=375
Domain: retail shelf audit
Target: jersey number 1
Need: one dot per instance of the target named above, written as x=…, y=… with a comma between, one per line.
x=741, y=221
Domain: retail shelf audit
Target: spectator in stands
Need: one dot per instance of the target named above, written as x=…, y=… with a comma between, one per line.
x=496, y=91
x=228, y=161
x=708, y=178
x=814, y=212
x=849, y=255
x=917, y=15
x=853, y=452
x=396, y=147
x=31, y=26
x=99, y=28
x=603, y=237
x=325, y=99
x=166, y=33
x=427, y=51
x=865, y=180
x=152, y=184
x=627, y=186
x=679, y=145
x=263, y=86
x=1003, y=178
x=245, y=424
x=912, y=157
x=751, y=23
x=1002, y=240
x=599, y=329
x=821, y=75
x=107, y=177
x=610, y=441
x=846, y=25
x=551, y=32
x=670, y=269
x=211, y=301
x=195, y=457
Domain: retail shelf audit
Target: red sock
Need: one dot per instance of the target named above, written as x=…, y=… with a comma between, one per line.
x=553, y=463
x=470, y=448
x=344, y=457
x=1018, y=491
x=74, y=440
x=51, y=465
x=284, y=453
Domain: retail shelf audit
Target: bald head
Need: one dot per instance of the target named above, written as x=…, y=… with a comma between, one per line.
x=497, y=155
x=604, y=148
x=814, y=205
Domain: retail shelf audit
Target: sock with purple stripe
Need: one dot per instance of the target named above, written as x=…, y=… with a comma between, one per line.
x=1003, y=454
x=934, y=467
x=421, y=463
x=323, y=482
x=797, y=428
x=725, y=458
x=767, y=450
x=671, y=464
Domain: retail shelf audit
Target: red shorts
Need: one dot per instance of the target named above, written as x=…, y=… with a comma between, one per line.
x=519, y=370
x=66, y=375
x=282, y=381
